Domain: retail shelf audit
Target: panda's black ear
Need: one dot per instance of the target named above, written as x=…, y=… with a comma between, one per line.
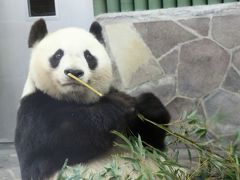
x=37, y=33
x=96, y=30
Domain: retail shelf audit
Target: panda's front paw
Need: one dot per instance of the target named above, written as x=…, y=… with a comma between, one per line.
x=152, y=108
x=123, y=101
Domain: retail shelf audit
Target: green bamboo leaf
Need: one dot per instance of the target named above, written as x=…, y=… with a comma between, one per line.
x=123, y=146
x=237, y=137
x=60, y=175
x=124, y=139
x=189, y=155
x=200, y=132
x=176, y=156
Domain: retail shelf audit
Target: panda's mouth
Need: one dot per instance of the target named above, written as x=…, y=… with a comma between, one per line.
x=71, y=84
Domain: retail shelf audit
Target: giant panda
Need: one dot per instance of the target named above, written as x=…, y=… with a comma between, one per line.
x=59, y=119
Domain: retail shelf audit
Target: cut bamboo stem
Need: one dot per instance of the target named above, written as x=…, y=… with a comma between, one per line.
x=85, y=84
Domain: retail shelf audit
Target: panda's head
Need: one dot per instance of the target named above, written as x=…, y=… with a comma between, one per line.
x=69, y=50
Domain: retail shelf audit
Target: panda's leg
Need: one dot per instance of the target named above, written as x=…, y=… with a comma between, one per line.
x=41, y=168
x=151, y=108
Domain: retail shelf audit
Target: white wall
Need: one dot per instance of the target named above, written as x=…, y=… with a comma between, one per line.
x=14, y=54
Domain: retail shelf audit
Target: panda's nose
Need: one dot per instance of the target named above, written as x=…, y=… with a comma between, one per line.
x=75, y=72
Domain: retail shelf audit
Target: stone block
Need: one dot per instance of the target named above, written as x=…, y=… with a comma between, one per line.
x=5, y=175
x=200, y=25
x=224, y=106
x=164, y=89
x=202, y=67
x=169, y=62
x=236, y=59
x=117, y=82
x=145, y=72
x=232, y=81
x=179, y=105
x=225, y=30
x=162, y=36
x=131, y=55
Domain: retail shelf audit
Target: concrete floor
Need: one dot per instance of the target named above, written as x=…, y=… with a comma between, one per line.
x=9, y=167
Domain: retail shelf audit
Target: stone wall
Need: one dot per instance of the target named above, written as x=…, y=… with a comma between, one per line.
x=188, y=57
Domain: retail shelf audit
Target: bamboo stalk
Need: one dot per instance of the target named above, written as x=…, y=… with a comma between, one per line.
x=85, y=84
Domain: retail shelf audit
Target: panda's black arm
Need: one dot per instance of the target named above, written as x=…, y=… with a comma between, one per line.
x=47, y=135
x=151, y=108
x=87, y=127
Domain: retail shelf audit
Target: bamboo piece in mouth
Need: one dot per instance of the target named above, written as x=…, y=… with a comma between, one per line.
x=89, y=87
x=85, y=84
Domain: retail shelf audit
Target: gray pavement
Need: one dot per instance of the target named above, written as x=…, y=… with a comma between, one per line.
x=9, y=167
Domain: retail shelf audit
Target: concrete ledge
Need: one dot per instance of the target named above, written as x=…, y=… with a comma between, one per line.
x=176, y=13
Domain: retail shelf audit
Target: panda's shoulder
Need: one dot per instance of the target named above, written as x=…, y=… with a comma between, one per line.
x=35, y=99
x=39, y=103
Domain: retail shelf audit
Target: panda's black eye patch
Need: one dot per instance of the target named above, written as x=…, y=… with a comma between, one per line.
x=91, y=60
x=56, y=57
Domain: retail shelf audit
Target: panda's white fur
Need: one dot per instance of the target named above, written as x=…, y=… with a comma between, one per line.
x=73, y=41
